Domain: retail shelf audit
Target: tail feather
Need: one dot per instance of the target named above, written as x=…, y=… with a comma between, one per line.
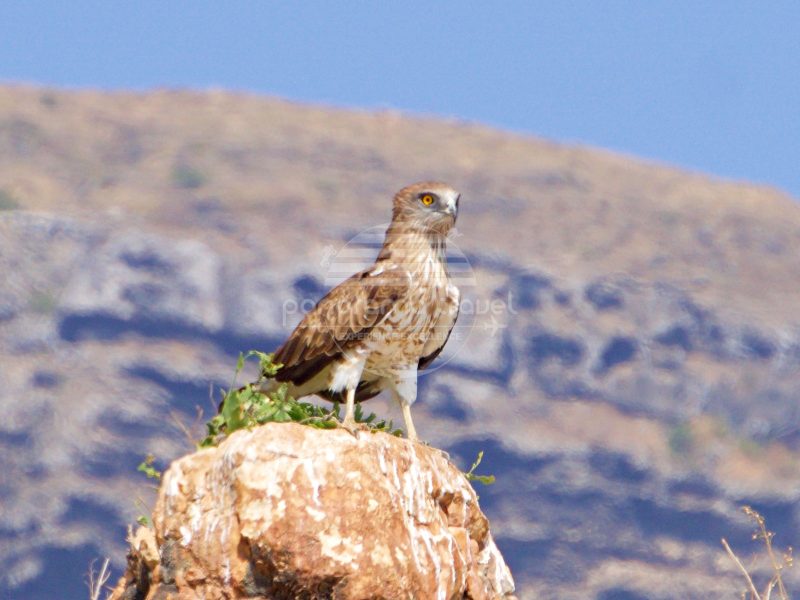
x=364, y=391
x=267, y=386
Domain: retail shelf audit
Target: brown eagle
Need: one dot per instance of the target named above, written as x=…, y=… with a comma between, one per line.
x=377, y=329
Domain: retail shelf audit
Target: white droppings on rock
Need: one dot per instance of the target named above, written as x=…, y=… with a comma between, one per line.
x=173, y=482
x=317, y=515
x=382, y=462
x=186, y=535
x=195, y=516
x=209, y=526
x=226, y=572
x=497, y=571
x=381, y=555
x=280, y=511
x=374, y=511
x=315, y=481
x=260, y=511
x=427, y=539
x=341, y=549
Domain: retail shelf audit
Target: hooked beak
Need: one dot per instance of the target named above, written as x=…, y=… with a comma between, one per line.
x=452, y=207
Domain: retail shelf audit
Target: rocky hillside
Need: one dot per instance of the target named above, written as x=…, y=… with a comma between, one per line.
x=630, y=361
x=287, y=511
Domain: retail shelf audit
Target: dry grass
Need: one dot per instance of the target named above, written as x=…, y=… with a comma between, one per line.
x=97, y=582
x=777, y=565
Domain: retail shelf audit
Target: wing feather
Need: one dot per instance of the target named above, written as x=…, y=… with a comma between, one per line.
x=340, y=321
x=446, y=322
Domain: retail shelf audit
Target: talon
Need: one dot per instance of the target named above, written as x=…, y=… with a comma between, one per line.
x=350, y=426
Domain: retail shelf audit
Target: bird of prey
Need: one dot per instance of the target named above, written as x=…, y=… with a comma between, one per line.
x=377, y=329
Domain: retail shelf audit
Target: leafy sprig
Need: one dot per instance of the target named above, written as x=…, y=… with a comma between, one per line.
x=146, y=467
x=249, y=406
x=472, y=476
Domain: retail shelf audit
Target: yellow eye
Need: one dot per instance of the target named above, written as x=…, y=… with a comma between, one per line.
x=427, y=199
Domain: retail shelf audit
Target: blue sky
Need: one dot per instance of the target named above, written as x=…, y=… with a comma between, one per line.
x=711, y=86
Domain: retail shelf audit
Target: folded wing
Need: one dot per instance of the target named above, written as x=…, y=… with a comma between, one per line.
x=341, y=321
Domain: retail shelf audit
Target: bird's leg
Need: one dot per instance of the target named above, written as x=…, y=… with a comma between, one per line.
x=405, y=393
x=349, y=422
x=411, y=433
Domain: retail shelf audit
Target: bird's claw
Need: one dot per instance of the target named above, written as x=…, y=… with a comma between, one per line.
x=352, y=427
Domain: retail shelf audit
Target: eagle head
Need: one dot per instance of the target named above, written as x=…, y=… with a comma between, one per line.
x=429, y=206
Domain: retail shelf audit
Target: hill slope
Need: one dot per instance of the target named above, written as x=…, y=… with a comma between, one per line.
x=637, y=381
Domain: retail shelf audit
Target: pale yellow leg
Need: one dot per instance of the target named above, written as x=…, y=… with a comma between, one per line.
x=411, y=433
x=349, y=422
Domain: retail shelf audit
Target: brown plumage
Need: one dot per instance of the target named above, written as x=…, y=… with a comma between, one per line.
x=375, y=330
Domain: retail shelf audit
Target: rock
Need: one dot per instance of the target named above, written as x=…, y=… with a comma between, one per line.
x=288, y=511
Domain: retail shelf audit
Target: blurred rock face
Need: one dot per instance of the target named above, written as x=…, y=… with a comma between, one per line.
x=630, y=360
x=287, y=511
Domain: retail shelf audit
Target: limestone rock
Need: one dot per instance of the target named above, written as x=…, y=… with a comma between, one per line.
x=288, y=511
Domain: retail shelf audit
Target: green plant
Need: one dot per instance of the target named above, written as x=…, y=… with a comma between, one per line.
x=187, y=177
x=471, y=476
x=145, y=518
x=146, y=467
x=248, y=406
